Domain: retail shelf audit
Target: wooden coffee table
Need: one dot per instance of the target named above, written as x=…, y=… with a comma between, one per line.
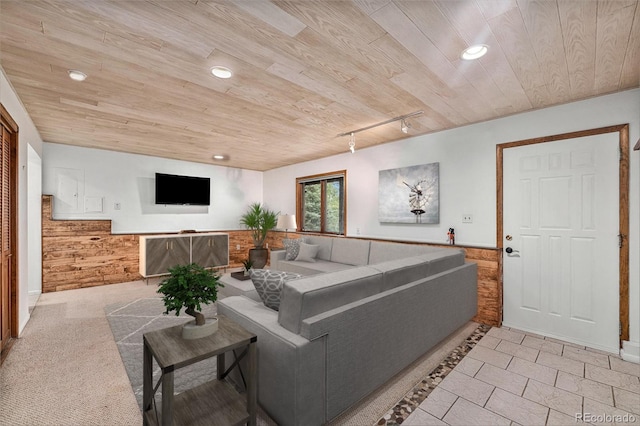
x=212, y=403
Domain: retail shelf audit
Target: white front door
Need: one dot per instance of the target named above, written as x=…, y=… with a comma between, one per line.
x=561, y=219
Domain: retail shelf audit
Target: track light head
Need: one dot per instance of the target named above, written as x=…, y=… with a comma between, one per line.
x=404, y=126
x=352, y=143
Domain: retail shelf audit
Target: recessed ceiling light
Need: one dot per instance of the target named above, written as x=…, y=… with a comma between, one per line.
x=221, y=72
x=474, y=52
x=77, y=75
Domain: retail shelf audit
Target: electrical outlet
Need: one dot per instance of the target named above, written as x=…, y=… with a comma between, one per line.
x=357, y=231
x=116, y=206
x=467, y=218
x=237, y=246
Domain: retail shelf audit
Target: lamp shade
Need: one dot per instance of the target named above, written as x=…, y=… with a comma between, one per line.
x=287, y=221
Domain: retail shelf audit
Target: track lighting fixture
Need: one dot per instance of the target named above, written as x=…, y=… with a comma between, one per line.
x=404, y=126
x=352, y=143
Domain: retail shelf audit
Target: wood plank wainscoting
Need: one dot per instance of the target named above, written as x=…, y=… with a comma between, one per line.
x=84, y=253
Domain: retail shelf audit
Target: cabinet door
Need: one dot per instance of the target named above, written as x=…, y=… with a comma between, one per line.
x=210, y=250
x=165, y=253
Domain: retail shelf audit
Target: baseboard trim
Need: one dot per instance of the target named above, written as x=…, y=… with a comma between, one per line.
x=630, y=351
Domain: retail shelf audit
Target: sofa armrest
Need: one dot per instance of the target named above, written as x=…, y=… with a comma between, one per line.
x=291, y=369
x=276, y=257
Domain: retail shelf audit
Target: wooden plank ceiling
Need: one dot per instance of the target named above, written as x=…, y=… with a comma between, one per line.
x=304, y=71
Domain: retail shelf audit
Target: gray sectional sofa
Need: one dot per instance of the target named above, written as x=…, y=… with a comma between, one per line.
x=365, y=311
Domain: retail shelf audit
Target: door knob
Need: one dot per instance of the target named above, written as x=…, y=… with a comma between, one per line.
x=509, y=250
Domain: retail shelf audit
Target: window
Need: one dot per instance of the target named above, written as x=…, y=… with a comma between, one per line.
x=321, y=203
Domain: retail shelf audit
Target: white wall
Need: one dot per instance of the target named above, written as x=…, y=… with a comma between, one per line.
x=34, y=223
x=29, y=268
x=467, y=157
x=128, y=180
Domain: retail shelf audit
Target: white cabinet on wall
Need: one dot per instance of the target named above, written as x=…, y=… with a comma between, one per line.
x=158, y=253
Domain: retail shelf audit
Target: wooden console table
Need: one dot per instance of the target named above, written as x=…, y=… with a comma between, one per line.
x=212, y=403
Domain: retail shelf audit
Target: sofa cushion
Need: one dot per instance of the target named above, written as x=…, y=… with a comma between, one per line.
x=309, y=296
x=269, y=285
x=444, y=260
x=307, y=252
x=402, y=271
x=324, y=245
x=382, y=251
x=350, y=251
x=292, y=247
x=311, y=268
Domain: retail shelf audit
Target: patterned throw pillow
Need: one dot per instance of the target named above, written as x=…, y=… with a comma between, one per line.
x=292, y=246
x=269, y=284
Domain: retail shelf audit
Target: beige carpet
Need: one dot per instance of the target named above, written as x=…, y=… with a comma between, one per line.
x=66, y=370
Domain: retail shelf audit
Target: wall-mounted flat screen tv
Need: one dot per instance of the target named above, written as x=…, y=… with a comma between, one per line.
x=186, y=190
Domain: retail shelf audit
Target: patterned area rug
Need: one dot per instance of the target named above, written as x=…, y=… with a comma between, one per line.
x=130, y=320
x=407, y=405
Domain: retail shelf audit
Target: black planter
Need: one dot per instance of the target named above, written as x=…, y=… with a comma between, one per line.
x=258, y=257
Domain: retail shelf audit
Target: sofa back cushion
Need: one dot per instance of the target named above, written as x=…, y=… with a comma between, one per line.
x=350, y=251
x=402, y=271
x=405, y=270
x=309, y=296
x=324, y=245
x=382, y=251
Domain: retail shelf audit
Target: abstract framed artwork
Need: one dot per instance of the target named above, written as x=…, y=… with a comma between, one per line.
x=409, y=194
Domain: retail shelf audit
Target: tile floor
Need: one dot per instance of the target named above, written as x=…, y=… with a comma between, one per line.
x=516, y=378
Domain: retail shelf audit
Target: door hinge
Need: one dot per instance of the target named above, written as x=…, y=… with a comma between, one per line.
x=620, y=240
x=620, y=328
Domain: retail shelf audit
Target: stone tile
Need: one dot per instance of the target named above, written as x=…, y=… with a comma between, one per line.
x=599, y=351
x=542, y=345
x=501, y=333
x=626, y=400
x=585, y=356
x=469, y=366
x=594, y=410
x=613, y=378
x=467, y=387
x=438, y=402
x=503, y=379
x=464, y=412
x=557, y=418
x=562, y=342
x=516, y=408
x=561, y=363
x=585, y=387
x=490, y=356
x=519, y=351
x=554, y=398
x=489, y=342
x=626, y=367
x=420, y=418
x=527, y=333
x=534, y=371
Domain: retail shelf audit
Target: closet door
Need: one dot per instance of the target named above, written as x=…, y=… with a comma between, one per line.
x=5, y=239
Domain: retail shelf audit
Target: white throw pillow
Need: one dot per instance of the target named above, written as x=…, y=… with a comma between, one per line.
x=308, y=252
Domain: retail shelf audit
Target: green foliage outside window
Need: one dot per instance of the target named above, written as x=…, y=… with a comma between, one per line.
x=331, y=220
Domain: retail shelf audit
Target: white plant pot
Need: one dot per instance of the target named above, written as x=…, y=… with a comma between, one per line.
x=192, y=331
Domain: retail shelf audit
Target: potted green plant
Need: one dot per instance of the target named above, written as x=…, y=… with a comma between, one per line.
x=247, y=264
x=189, y=287
x=260, y=220
x=243, y=275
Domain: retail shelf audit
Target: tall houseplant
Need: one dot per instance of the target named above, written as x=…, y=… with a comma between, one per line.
x=260, y=220
x=188, y=287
